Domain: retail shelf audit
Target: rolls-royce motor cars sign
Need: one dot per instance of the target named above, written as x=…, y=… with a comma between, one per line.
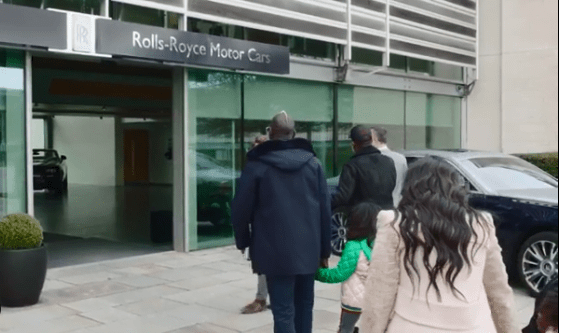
x=140, y=41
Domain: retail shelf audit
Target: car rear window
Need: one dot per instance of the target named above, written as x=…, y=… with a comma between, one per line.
x=502, y=173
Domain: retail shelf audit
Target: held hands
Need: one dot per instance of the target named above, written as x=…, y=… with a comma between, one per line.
x=324, y=263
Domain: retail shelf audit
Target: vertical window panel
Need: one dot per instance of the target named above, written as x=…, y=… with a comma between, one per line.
x=310, y=104
x=432, y=121
x=369, y=106
x=12, y=133
x=215, y=104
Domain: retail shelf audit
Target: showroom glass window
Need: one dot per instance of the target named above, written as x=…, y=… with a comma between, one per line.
x=12, y=133
x=432, y=121
x=309, y=103
x=369, y=106
x=214, y=155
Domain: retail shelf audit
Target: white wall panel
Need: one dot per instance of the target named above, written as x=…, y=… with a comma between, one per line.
x=514, y=106
x=484, y=107
x=37, y=133
x=489, y=27
x=89, y=145
x=530, y=25
x=530, y=101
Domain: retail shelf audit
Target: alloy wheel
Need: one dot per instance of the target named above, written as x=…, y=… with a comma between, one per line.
x=540, y=263
x=338, y=232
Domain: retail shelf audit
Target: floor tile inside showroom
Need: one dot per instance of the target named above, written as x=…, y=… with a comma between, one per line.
x=91, y=223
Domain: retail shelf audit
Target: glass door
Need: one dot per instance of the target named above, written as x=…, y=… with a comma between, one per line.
x=12, y=133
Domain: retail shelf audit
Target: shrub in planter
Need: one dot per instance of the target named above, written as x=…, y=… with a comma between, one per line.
x=23, y=260
x=20, y=231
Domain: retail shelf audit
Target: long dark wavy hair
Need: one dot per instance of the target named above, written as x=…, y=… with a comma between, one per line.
x=436, y=217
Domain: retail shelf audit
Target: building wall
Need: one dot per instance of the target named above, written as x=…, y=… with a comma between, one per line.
x=37, y=133
x=514, y=105
x=89, y=145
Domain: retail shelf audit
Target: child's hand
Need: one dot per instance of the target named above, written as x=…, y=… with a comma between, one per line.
x=324, y=263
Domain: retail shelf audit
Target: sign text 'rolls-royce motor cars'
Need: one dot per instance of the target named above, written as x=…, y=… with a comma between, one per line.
x=524, y=202
x=49, y=171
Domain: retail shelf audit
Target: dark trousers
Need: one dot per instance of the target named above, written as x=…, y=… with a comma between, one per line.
x=292, y=302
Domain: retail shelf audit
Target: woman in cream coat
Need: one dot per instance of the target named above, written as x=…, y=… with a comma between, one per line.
x=436, y=265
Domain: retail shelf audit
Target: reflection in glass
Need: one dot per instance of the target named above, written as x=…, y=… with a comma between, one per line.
x=12, y=133
x=310, y=104
x=432, y=121
x=143, y=15
x=369, y=106
x=215, y=103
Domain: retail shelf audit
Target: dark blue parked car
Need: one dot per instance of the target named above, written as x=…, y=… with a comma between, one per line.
x=523, y=199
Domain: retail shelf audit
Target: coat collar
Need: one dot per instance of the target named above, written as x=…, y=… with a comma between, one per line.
x=275, y=145
x=366, y=151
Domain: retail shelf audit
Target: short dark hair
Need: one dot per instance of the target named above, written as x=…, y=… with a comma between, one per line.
x=381, y=133
x=362, y=221
x=360, y=134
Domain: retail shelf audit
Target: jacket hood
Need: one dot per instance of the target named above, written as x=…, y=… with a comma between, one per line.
x=367, y=150
x=288, y=155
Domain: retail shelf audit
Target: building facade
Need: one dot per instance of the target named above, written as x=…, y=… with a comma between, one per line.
x=514, y=106
x=170, y=94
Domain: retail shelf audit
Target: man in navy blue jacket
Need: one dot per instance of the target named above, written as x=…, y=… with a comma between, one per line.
x=282, y=212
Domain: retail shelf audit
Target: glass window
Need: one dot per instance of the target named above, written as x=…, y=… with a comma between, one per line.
x=432, y=121
x=27, y=3
x=435, y=69
x=297, y=45
x=142, y=15
x=367, y=57
x=214, y=114
x=81, y=6
x=421, y=66
x=501, y=173
x=369, y=106
x=398, y=62
x=310, y=104
x=309, y=47
x=446, y=71
x=12, y=133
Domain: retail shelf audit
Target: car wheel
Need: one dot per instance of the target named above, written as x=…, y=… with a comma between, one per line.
x=538, y=260
x=338, y=232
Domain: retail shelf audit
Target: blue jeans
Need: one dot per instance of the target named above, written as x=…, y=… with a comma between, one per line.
x=292, y=302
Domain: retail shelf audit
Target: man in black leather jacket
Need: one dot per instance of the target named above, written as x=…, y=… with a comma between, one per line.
x=368, y=176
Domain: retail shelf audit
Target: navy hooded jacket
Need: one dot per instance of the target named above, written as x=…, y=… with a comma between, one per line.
x=282, y=194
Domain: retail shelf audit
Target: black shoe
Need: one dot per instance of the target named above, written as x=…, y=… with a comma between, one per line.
x=355, y=330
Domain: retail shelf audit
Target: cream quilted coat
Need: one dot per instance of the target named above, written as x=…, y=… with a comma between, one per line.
x=352, y=290
x=394, y=304
x=352, y=270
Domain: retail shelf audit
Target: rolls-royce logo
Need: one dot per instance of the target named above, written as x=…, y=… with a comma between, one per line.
x=83, y=33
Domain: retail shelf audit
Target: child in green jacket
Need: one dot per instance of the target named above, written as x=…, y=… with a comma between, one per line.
x=352, y=269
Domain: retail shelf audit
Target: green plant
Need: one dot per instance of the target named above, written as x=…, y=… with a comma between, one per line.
x=548, y=162
x=20, y=231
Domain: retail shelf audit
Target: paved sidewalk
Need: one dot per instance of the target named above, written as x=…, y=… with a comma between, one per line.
x=168, y=292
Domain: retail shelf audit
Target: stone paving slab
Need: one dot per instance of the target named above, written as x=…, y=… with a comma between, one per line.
x=169, y=292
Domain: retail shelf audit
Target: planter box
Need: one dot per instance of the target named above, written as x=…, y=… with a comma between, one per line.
x=22, y=275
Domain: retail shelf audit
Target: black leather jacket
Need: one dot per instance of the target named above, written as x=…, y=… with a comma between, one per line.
x=368, y=176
